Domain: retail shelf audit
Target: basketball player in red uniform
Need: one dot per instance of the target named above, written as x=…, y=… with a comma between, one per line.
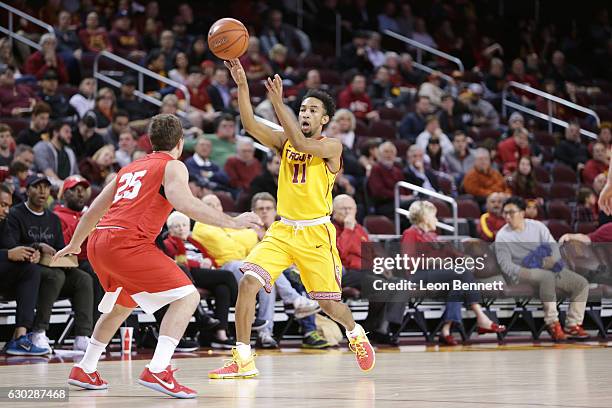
x=127, y=216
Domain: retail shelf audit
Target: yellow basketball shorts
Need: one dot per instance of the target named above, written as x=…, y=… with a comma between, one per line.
x=312, y=249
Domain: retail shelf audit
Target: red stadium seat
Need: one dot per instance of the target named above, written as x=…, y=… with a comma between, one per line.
x=227, y=201
x=558, y=228
x=382, y=128
x=361, y=128
x=330, y=77
x=544, y=138
x=16, y=124
x=468, y=209
x=378, y=224
x=445, y=183
x=586, y=227
x=562, y=191
x=541, y=174
x=559, y=210
x=402, y=147
x=392, y=114
x=443, y=208
x=562, y=173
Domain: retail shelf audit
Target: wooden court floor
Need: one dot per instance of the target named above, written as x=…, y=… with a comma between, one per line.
x=484, y=376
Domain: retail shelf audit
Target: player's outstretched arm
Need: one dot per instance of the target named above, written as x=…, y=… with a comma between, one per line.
x=605, y=197
x=177, y=191
x=324, y=148
x=88, y=221
x=269, y=137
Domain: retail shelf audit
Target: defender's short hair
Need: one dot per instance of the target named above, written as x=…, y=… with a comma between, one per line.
x=165, y=132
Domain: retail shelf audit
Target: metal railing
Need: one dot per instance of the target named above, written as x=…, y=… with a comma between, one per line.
x=12, y=11
x=142, y=72
x=420, y=48
x=506, y=103
x=400, y=211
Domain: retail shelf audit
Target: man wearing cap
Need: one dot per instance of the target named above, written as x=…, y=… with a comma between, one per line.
x=85, y=140
x=483, y=113
x=20, y=277
x=54, y=158
x=74, y=194
x=16, y=99
x=128, y=102
x=60, y=108
x=31, y=224
x=125, y=42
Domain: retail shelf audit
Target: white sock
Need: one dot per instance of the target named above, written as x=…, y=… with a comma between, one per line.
x=357, y=330
x=163, y=354
x=89, y=363
x=244, y=350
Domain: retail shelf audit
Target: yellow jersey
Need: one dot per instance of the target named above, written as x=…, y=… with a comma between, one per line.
x=305, y=185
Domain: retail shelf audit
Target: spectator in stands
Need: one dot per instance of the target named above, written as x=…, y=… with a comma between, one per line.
x=17, y=100
x=38, y=129
x=199, y=52
x=200, y=166
x=60, y=108
x=494, y=80
x=432, y=131
x=68, y=43
x=369, y=155
x=405, y=20
x=519, y=75
x=512, y=149
x=25, y=154
x=266, y=110
x=586, y=207
x=483, y=113
x=431, y=89
x=598, y=164
x=571, y=150
x=412, y=77
x=415, y=171
x=255, y=63
x=180, y=68
x=166, y=47
x=219, y=91
x=84, y=100
x=523, y=182
x=94, y=38
x=156, y=62
x=515, y=242
x=31, y=224
x=601, y=234
x=182, y=39
x=451, y=115
x=598, y=183
x=515, y=121
x=200, y=109
x=355, y=99
x=346, y=127
x=106, y=105
x=414, y=122
x=461, y=159
x=85, y=139
x=128, y=141
x=267, y=182
x=354, y=54
x=120, y=122
x=242, y=168
x=383, y=177
x=533, y=210
x=278, y=32
x=280, y=65
x=170, y=106
x=39, y=62
x=17, y=176
x=386, y=19
x=124, y=41
x=128, y=101
x=8, y=58
x=561, y=71
x=188, y=252
x=483, y=179
x=98, y=168
x=6, y=138
x=55, y=158
x=312, y=81
x=604, y=136
x=224, y=139
x=382, y=91
x=20, y=275
x=75, y=193
x=418, y=241
x=375, y=54
x=199, y=187
x=491, y=221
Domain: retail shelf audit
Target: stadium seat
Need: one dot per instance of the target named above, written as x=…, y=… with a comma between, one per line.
x=402, y=147
x=559, y=210
x=226, y=201
x=392, y=114
x=383, y=128
x=16, y=124
x=558, y=228
x=542, y=175
x=586, y=227
x=330, y=77
x=361, y=128
x=562, y=173
x=445, y=183
x=468, y=209
x=562, y=191
x=443, y=208
x=544, y=139
x=378, y=224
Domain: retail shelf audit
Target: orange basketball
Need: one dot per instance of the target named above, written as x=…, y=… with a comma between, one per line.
x=228, y=38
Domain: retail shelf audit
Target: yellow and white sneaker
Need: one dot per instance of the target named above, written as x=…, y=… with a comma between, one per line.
x=236, y=368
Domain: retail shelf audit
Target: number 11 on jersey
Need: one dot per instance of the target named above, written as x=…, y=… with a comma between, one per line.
x=296, y=173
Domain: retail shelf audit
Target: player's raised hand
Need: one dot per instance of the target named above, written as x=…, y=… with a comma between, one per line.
x=605, y=197
x=275, y=89
x=237, y=71
x=248, y=220
x=69, y=249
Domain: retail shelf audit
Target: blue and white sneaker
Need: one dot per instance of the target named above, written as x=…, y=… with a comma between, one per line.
x=23, y=346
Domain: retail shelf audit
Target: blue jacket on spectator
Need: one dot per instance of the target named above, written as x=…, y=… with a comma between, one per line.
x=206, y=169
x=411, y=126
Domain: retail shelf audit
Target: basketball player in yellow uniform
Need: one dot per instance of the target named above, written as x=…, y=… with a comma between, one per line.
x=304, y=236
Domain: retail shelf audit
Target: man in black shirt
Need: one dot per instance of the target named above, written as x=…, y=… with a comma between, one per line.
x=5, y=145
x=19, y=279
x=85, y=140
x=31, y=224
x=60, y=108
x=121, y=121
x=128, y=102
x=37, y=130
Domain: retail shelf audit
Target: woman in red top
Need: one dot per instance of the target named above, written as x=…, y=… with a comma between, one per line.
x=421, y=240
x=188, y=252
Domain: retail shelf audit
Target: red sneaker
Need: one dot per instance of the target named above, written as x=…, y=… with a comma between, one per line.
x=166, y=383
x=364, y=352
x=576, y=332
x=91, y=381
x=556, y=332
x=494, y=328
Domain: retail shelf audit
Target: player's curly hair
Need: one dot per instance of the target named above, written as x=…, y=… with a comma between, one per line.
x=165, y=132
x=328, y=101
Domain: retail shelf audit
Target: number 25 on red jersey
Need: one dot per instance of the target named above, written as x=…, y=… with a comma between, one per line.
x=129, y=185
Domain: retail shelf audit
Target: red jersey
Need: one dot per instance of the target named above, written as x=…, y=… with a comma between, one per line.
x=140, y=205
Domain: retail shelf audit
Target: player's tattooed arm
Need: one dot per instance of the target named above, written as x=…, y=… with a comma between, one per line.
x=267, y=136
x=323, y=148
